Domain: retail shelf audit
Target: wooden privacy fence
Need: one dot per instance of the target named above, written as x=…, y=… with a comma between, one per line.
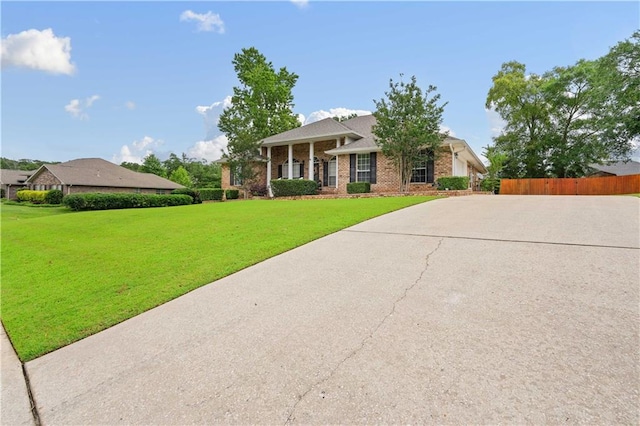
x=609, y=185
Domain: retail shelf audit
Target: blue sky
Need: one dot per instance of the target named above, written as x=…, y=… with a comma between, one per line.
x=119, y=80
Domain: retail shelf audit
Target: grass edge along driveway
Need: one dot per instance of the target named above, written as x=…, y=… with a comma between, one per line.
x=67, y=276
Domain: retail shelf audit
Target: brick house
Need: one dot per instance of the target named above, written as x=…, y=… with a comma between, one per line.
x=13, y=180
x=96, y=175
x=335, y=154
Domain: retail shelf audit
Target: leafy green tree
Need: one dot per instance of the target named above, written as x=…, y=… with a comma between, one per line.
x=408, y=126
x=518, y=98
x=131, y=166
x=152, y=164
x=172, y=163
x=341, y=118
x=570, y=117
x=497, y=159
x=205, y=175
x=260, y=107
x=181, y=176
x=619, y=83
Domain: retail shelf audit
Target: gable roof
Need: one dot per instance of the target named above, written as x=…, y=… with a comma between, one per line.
x=619, y=168
x=316, y=131
x=14, y=177
x=99, y=172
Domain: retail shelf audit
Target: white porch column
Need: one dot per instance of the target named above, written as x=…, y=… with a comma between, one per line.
x=311, y=161
x=269, y=171
x=338, y=143
x=290, y=165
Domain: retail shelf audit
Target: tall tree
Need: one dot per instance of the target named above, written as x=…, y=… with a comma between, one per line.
x=570, y=117
x=408, y=126
x=517, y=97
x=152, y=164
x=260, y=107
x=181, y=176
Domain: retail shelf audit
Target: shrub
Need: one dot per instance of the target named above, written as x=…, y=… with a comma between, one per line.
x=231, y=194
x=490, y=184
x=258, y=190
x=53, y=196
x=293, y=187
x=358, y=187
x=453, y=182
x=208, y=194
x=35, y=197
x=99, y=201
x=193, y=193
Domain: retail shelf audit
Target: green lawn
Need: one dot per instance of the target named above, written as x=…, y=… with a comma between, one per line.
x=67, y=276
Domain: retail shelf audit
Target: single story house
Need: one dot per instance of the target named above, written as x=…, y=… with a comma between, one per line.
x=336, y=153
x=13, y=180
x=619, y=168
x=94, y=175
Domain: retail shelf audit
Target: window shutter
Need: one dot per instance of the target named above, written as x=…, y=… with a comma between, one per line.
x=302, y=170
x=352, y=168
x=374, y=167
x=231, y=177
x=325, y=173
x=279, y=171
x=430, y=167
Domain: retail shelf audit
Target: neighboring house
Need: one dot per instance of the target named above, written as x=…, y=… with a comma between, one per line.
x=95, y=175
x=620, y=168
x=336, y=153
x=13, y=180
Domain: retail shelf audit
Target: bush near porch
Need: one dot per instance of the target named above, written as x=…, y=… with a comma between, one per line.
x=293, y=187
x=453, y=182
x=358, y=187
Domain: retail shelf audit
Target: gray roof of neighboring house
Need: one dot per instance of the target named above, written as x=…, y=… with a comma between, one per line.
x=99, y=172
x=318, y=130
x=14, y=177
x=620, y=168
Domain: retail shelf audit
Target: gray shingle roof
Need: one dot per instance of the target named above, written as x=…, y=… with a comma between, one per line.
x=327, y=129
x=99, y=172
x=14, y=177
x=619, y=168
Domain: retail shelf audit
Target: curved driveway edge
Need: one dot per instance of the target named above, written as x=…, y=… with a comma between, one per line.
x=480, y=309
x=15, y=405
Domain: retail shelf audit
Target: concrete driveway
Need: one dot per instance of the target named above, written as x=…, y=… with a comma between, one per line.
x=481, y=309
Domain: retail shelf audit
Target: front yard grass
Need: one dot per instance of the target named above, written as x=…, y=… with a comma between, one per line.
x=67, y=276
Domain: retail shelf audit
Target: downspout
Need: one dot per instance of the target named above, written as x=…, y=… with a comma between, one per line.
x=453, y=160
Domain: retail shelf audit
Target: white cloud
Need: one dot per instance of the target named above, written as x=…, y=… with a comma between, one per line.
x=301, y=119
x=301, y=3
x=130, y=105
x=211, y=114
x=333, y=112
x=206, y=21
x=38, y=50
x=136, y=152
x=210, y=150
x=77, y=108
x=496, y=123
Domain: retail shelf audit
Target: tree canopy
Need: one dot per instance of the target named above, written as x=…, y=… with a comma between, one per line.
x=408, y=126
x=261, y=106
x=569, y=117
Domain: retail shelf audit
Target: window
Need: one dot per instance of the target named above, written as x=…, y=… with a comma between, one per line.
x=297, y=169
x=160, y=191
x=423, y=169
x=236, y=179
x=363, y=170
x=331, y=177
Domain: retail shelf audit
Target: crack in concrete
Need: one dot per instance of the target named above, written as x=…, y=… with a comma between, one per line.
x=367, y=338
x=32, y=401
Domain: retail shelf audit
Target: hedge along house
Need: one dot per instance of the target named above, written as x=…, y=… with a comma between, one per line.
x=335, y=154
x=97, y=175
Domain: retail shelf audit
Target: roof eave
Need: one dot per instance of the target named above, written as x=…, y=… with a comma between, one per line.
x=312, y=139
